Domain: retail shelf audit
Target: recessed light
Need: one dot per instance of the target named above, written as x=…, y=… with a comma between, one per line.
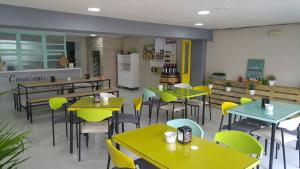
x=203, y=12
x=94, y=9
x=198, y=24
x=93, y=35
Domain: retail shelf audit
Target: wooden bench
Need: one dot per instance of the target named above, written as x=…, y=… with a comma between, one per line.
x=71, y=97
x=59, y=90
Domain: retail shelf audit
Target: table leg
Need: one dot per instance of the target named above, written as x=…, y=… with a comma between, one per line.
x=26, y=91
x=229, y=121
x=19, y=98
x=272, y=145
x=186, y=109
x=97, y=85
x=71, y=131
x=109, y=83
x=203, y=109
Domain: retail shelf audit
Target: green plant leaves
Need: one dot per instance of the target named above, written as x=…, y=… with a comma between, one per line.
x=13, y=142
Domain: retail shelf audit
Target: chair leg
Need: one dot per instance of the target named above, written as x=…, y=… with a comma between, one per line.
x=53, y=133
x=167, y=114
x=87, y=139
x=108, y=162
x=209, y=107
x=123, y=128
x=266, y=146
x=150, y=113
x=198, y=112
x=79, y=143
x=283, y=149
x=66, y=122
x=191, y=110
x=299, y=151
x=221, y=123
x=276, y=153
x=157, y=113
x=77, y=134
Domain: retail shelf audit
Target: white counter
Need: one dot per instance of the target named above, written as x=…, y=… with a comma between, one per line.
x=10, y=79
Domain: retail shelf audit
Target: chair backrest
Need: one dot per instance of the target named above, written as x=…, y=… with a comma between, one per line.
x=290, y=124
x=183, y=85
x=107, y=95
x=148, y=94
x=245, y=100
x=240, y=141
x=196, y=129
x=57, y=102
x=167, y=97
x=94, y=115
x=202, y=88
x=137, y=103
x=227, y=105
x=119, y=159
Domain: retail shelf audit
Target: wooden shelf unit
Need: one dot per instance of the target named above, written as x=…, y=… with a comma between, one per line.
x=240, y=89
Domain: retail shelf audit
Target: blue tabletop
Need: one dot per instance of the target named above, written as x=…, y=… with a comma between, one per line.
x=281, y=111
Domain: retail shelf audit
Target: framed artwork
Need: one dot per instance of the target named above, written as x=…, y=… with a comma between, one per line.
x=255, y=69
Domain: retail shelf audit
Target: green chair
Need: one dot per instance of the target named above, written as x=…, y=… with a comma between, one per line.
x=240, y=141
x=121, y=160
x=132, y=118
x=172, y=105
x=94, y=123
x=196, y=129
x=57, y=103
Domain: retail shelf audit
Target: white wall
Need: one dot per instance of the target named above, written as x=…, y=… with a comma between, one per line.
x=230, y=50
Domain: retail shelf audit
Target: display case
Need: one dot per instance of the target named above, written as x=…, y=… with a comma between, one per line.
x=128, y=70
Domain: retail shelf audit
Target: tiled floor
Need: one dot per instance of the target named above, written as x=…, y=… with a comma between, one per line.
x=44, y=156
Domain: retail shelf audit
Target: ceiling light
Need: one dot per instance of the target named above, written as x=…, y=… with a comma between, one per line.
x=93, y=35
x=203, y=12
x=93, y=9
x=198, y=24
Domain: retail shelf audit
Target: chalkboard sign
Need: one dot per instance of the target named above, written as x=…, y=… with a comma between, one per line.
x=255, y=69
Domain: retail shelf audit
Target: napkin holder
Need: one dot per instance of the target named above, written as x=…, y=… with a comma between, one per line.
x=184, y=134
x=97, y=98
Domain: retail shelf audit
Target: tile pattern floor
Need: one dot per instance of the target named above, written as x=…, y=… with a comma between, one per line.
x=44, y=156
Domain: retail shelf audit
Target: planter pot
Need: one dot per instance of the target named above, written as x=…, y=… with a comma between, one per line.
x=271, y=82
x=210, y=86
x=252, y=92
x=228, y=89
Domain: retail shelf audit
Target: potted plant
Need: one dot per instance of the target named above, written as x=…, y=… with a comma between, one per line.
x=228, y=86
x=210, y=83
x=271, y=80
x=252, y=89
x=264, y=81
x=13, y=143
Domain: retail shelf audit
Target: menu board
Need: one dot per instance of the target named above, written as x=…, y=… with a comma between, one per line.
x=255, y=69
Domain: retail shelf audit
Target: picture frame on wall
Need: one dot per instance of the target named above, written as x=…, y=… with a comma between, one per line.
x=255, y=69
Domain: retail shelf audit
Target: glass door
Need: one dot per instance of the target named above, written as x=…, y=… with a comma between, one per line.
x=31, y=50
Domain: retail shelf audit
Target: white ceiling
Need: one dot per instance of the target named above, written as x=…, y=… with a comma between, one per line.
x=224, y=13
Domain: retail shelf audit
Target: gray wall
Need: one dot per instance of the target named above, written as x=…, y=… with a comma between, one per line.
x=198, y=65
x=30, y=18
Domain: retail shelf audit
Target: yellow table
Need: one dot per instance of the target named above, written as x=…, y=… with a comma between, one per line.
x=114, y=103
x=149, y=144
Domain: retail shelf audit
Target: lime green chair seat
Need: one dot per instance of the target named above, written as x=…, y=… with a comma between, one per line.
x=171, y=104
x=245, y=100
x=94, y=123
x=196, y=129
x=57, y=102
x=121, y=160
x=240, y=141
